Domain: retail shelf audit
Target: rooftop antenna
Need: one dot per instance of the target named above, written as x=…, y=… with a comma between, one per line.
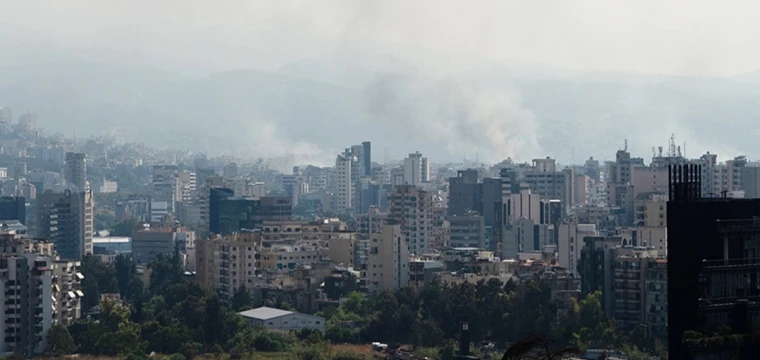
x=626, y=145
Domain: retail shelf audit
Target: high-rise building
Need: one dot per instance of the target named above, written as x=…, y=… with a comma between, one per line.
x=545, y=180
x=75, y=172
x=66, y=218
x=367, y=158
x=230, y=171
x=465, y=193
x=412, y=209
x=570, y=242
x=233, y=214
x=166, y=186
x=13, y=208
x=344, y=185
x=750, y=180
x=6, y=118
x=416, y=169
x=27, y=121
x=466, y=231
x=226, y=263
x=387, y=265
x=713, y=254
x=38, y=291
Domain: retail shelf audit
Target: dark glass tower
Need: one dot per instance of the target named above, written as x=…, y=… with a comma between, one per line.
x=713, y=268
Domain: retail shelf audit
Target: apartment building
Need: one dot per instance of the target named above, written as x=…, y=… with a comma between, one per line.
x=148, y=243
x=166, y=186
x=342, y=248
x=296, y=230
x=75, y=171
x=412, y=208
x=467, y=231
x=416, y=169
x=289, y=256
x=67, y=278
x=423, y=272
x=630, y=286
x=387, y=266
x=226, y=263
x=571, y=242
x=344, y=184
x=543, y=178
x=656, y=301
x=651, y=209
x=37, y=291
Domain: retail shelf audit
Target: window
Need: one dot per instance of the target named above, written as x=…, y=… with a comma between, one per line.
x=271, y=323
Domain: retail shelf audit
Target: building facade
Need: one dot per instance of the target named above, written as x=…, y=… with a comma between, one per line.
x=66, y=218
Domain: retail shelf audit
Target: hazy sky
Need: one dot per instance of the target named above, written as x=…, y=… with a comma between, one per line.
x=704, y=37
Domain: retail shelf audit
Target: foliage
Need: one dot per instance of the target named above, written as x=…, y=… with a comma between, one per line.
x=241, y=300
x=59, y=340
x=173, y=315
x=125, y=227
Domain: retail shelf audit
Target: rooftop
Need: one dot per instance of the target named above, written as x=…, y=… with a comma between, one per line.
x=264, y=313
x=111, y=240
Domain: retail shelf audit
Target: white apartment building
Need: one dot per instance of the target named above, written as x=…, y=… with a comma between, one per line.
x=226, y=263
x=188, y=186
x=387, y=265
x=344, y=186
x=416, y=169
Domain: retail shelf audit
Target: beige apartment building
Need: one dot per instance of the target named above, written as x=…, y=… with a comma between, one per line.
x=387, y=265
x=342, y=249
x=226, y=263
x=288, y=256
x=413, y=209
x=630, y=285
x=296, y=230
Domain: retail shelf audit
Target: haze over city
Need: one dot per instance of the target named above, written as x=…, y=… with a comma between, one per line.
x=367, y=179
x=487, y=79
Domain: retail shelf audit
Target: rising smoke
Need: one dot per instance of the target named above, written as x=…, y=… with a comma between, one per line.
x=454, y=116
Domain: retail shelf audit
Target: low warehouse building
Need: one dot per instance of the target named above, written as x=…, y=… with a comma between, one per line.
x=282, y=320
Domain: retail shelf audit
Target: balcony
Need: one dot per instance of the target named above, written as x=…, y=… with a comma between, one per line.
x=730, y=264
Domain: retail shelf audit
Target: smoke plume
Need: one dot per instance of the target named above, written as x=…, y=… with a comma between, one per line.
x=454, y=116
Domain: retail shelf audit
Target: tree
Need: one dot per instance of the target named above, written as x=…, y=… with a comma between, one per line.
x=125, y=227
x=99, y=278
x=59, y=340
x=241, y=300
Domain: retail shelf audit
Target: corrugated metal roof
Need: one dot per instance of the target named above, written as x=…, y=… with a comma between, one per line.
x=264, y=313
